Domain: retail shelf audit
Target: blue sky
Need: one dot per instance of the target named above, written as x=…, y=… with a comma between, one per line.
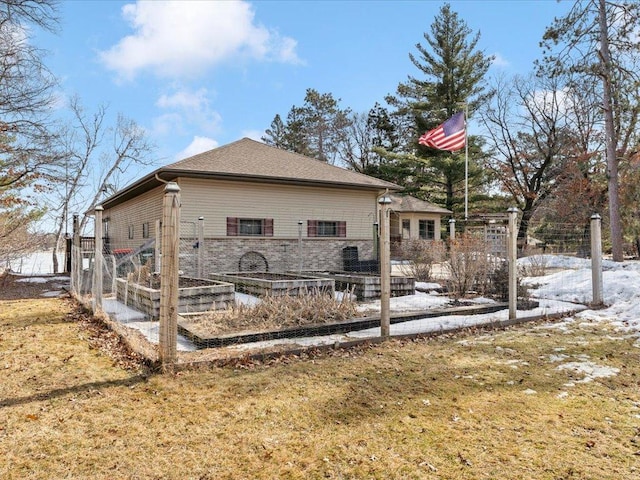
x=200, y=74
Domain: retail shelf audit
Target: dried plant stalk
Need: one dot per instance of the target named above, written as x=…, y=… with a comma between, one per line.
x=308, y=308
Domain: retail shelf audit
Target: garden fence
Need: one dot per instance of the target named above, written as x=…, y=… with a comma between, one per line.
x=165, y=286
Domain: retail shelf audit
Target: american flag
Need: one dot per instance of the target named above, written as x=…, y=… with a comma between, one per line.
x=451, y=135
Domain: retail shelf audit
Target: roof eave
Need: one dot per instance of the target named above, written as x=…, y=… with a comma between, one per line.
x=163, y=175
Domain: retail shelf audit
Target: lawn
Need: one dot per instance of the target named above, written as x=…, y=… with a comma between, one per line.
x=539, y=401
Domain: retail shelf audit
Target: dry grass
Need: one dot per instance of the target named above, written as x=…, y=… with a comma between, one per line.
x=454, y=407
x=278, y=312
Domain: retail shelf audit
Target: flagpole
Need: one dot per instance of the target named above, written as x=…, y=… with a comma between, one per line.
x=466, y=162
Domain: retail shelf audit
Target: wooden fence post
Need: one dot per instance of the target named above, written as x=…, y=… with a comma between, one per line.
x=596, y=259
x=385, y=267
x=300, y=257
x=76, y=256
x=68, y=242
x=512, y=257
x=158, y=246
x=169, y=276
x=200, y=247
x=97, y=261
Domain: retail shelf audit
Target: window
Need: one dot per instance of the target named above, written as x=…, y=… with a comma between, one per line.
x=145, y=230
x=131, y=232
x=326, y=228
x=105, y=234
x=251, y=227
x=406, y=228
x=427, y=229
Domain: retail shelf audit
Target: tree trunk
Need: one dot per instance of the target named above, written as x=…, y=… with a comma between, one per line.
x=611, y=141
x=55, y=257
x=449, y=188
x=523, y=229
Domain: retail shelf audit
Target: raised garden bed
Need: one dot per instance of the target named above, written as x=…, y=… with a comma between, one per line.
x=194, y=295
x=275, y=284
x=367, y=286
x=201, y=338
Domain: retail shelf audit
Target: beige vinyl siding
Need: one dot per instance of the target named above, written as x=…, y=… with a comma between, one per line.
x=414, y=218
x=144, y=208
x=285, y=204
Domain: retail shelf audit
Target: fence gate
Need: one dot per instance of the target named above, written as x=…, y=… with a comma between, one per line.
x=188, y=256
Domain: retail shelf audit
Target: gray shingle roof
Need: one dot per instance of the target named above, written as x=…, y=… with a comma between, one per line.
x=251, y=159
x=407, y=203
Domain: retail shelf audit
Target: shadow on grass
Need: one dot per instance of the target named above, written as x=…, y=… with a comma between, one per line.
x=76, y=389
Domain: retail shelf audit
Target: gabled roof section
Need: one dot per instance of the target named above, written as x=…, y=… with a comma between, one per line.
x=407, y=203
x=250, y=160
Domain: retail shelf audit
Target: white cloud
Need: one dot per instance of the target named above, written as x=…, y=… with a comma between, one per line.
x=186, y=110
x=500, y=61
x=183, y=99
x=197, y=145
x=185, y=38
x=168, y=124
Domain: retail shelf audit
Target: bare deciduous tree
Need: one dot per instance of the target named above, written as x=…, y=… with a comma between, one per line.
x=598, y=38
x=527, y=129
x=26, y=97
x=90, y=167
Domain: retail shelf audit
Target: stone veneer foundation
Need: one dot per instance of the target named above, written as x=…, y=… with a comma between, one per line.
x=282, y=255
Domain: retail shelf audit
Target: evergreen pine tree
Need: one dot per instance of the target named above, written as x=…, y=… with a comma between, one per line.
x=453, y=72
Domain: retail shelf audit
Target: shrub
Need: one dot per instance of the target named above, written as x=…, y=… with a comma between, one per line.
x=500, y=284
x=422, y=256
x=535, y=265
x=469, y=264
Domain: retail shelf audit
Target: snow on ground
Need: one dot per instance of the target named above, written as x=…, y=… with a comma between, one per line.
x=563, y=290
x=38, y=268
x=590, y=370
x=31, y=279
x=38, y=263
x=418, y=301
x=557, y=292
x=621, y=289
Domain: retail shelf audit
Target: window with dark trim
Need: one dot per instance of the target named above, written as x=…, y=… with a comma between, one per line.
x=106, y=222
x=145, y=230
x=427, y=229
x=406, y=228
x=250, y=227
x=326, y=228
x=131, y=232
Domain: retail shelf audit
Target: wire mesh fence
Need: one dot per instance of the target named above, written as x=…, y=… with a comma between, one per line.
x=306, y=289
x=555, y=267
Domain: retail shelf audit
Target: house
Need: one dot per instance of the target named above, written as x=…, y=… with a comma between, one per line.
x=412, y=219
x=250, y=206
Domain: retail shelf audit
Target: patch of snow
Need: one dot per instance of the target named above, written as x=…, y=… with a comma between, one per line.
x=418, y=301
x=246, y=299
x=43, y=279
x=37, y=263
x=428, y=286
x=135, y=319
x=558, y=358
x=51, y=294
x=590, y=370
